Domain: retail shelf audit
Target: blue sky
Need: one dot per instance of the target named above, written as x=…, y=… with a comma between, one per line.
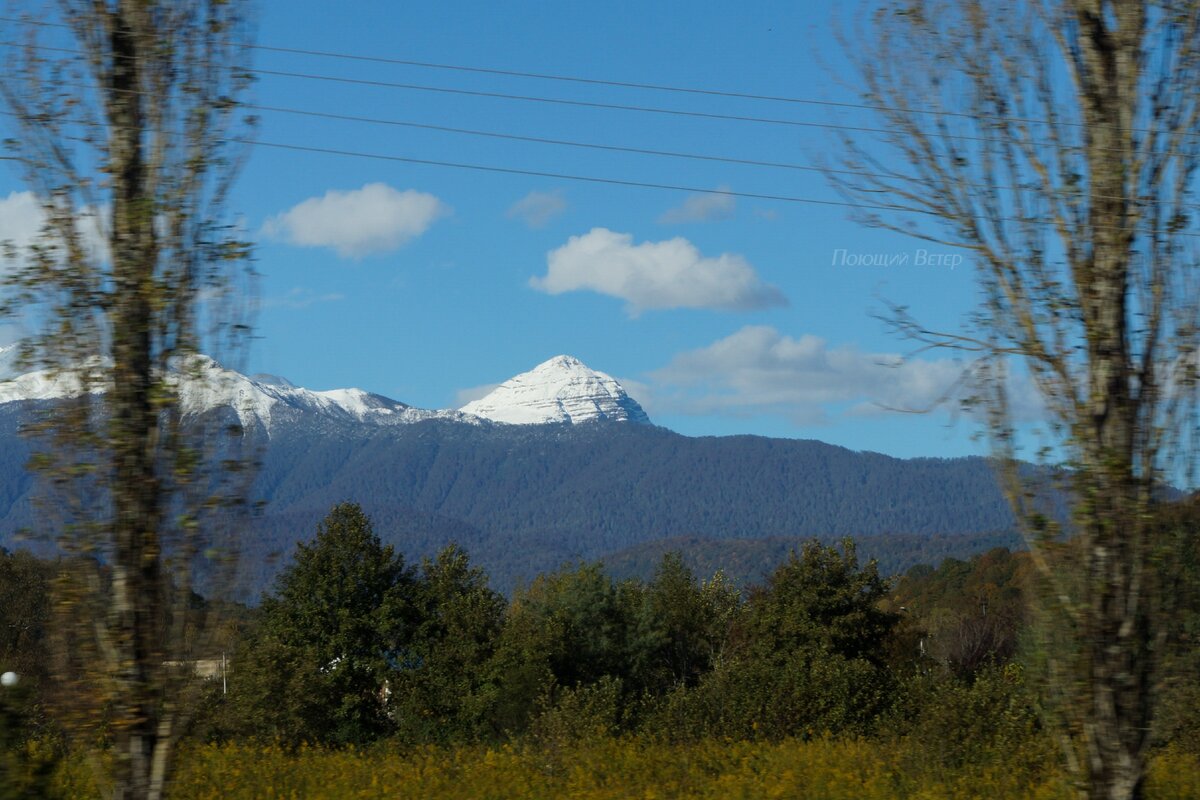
x=722, y=314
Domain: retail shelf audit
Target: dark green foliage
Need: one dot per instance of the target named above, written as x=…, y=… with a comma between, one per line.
x=806, y=656
x=681, y=626
x=1177, y=717
x=436, y=693
x=340, y=620
x=748, y=562
x=803, y=692
x=24, y=617
x=26, y=766
x=823, y=599
x=821, y=647
x=969, y=613
x=957, y=722
x=579, y=713
x=567, y=629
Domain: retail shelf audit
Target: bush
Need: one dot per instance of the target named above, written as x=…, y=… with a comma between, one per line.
x=949, y=723
x=811, y=693
x=27, y=763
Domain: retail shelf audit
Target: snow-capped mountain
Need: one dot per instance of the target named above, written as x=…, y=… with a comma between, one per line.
x=207, y=386
x=563, y=389
x=204, y=386
x=527, y=498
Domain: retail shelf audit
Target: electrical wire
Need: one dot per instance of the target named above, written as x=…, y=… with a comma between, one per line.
x=633, y=108
x=563, y=142
x=620, y=181
x=691, y=90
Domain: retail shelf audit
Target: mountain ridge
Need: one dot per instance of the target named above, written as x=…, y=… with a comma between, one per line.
x=560, y=390
x=526, y=498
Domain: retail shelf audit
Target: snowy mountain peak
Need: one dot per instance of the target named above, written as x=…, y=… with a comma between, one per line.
x=204, y=385
x=562, y=389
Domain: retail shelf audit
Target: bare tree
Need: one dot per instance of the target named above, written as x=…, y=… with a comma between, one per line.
x=1056, y=141
x=126, y=130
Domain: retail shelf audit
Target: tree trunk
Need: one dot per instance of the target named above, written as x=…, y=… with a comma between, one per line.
x=1113, y=531
x=134, y=616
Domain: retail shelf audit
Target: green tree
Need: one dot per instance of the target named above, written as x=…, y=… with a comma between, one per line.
x=25, y=612
x=566, y=630
x=340, y=621
x=821, y=598
x=681, y=626
x=25, y=773
x=436, y=692
x=807, y=655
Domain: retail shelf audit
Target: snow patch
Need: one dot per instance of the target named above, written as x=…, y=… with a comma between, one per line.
x=560, y=390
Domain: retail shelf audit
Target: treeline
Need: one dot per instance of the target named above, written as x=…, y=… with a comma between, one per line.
x=747, y=562
x=354, y=646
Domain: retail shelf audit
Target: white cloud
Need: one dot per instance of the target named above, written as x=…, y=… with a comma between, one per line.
x=362, y=222
x=701, y=207
x=667, y=274
x=537, y=208
x=759, y=370
x=22, y=218
x=469, y=395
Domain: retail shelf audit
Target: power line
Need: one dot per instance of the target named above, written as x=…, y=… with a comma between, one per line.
x=621, y=182
x=639, y=150
x=691, y=90
x=658, y=87
x=618, y=148
x=565, y=176
x=577, y=103
x=624, y=149
x=614, y=106
x=597, y=179
x=535, y=98
x=539, y=139
x=570, y=143
x=601, y=106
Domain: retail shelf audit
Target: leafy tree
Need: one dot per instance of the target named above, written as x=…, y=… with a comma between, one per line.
x=821, y=598
x=1055, y=144
x=807, y=655
x=681, y=626
x=436, y=692
x=567, y=629
x=992, y=717
x=340, y=621
x=1178, y=715
x=968, y=613
x=127, y=135
x=25, y=772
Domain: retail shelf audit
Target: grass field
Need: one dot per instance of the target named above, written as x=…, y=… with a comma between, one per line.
x=611, y=769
